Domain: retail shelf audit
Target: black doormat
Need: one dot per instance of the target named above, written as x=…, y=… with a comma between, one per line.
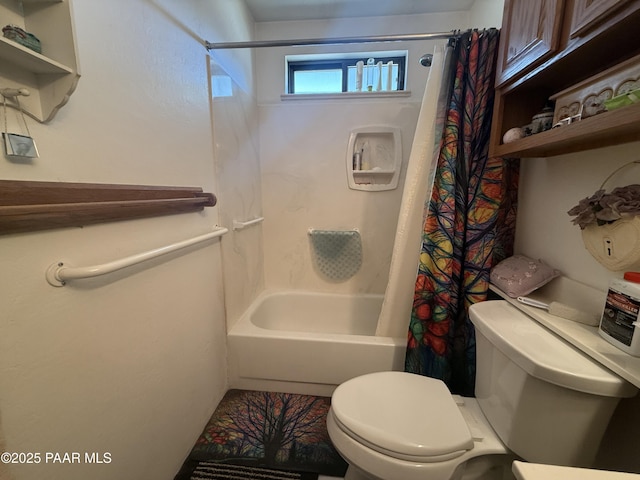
x=196, y=470
x=281, y=431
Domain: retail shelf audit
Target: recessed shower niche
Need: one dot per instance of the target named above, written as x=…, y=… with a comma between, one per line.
x=374, y=158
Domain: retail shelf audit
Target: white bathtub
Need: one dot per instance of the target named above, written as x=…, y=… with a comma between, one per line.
x=310, y=338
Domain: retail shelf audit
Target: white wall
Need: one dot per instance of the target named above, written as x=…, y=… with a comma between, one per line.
x=131, y=364
x=549, y=187
x=486, y=13
x=303, y=151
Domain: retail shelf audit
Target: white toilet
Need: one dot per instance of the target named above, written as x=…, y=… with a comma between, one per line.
x=537, y=399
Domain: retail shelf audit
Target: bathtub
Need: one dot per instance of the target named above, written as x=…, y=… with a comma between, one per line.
x=309, y=338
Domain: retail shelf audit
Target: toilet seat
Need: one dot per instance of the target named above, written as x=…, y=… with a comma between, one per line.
x=424, y=426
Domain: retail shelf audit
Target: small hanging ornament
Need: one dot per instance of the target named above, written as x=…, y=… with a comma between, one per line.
x=17, y=145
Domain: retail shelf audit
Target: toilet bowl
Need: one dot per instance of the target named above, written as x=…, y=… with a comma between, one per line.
x=400, y=443
x=537, y=398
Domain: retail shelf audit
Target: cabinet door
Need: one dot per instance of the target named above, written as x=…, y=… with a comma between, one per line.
x=530, y=33
x=589, y=13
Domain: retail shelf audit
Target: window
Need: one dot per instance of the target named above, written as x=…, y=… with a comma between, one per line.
x=333, y=74
x=221, y=86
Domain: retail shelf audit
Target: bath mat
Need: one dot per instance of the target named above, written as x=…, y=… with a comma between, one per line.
x=281, y=431
x=195, y=470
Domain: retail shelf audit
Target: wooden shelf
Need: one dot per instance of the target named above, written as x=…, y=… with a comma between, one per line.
x=605, y=129
x=30, y=206
x=595, y=36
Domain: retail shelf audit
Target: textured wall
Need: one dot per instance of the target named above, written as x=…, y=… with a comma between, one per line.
x=134, y=363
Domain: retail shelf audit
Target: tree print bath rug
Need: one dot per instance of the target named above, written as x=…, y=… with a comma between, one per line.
x=270, y=430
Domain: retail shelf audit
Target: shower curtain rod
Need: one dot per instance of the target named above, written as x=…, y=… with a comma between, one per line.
x=332, y=41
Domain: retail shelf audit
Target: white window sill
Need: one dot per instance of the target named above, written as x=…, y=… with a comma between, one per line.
x=344, y=95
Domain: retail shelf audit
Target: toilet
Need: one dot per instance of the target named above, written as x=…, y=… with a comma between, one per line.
x=537, y=399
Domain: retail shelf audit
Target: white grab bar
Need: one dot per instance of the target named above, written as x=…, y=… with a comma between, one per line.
x=57, y=274
x=237, y=225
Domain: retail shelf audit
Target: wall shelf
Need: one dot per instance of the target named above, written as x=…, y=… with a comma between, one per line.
x=29, y=60
x=583, y=337
x=605, y=129
x=379, y=153
x=31, y=206
x=593, y=37
x=50, y=77
x=345, y=95
x=373, y=179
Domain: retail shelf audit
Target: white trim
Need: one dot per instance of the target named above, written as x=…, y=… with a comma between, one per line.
x=285, y=97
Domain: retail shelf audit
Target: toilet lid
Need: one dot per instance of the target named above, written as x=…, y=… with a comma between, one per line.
x=402, y=415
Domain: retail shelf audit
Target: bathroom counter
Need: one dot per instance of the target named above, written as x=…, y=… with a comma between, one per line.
x=584, y=337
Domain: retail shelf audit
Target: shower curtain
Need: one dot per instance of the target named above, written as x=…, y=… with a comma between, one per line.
x=398, y=297
x=468, y=224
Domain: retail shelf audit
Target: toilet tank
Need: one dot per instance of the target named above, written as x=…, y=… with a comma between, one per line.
x=548, y=402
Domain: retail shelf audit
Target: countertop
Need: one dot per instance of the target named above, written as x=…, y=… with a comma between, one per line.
x=584, y=337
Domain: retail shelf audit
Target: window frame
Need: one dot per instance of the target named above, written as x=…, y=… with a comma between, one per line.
x=342, y=63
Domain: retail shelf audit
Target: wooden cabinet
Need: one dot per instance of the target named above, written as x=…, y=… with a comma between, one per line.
x=588, y=13
x=50, y=76
x=594, y=36
x=530, y=34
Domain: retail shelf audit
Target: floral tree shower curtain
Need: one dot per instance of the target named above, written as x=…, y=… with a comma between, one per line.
x=468, y=226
